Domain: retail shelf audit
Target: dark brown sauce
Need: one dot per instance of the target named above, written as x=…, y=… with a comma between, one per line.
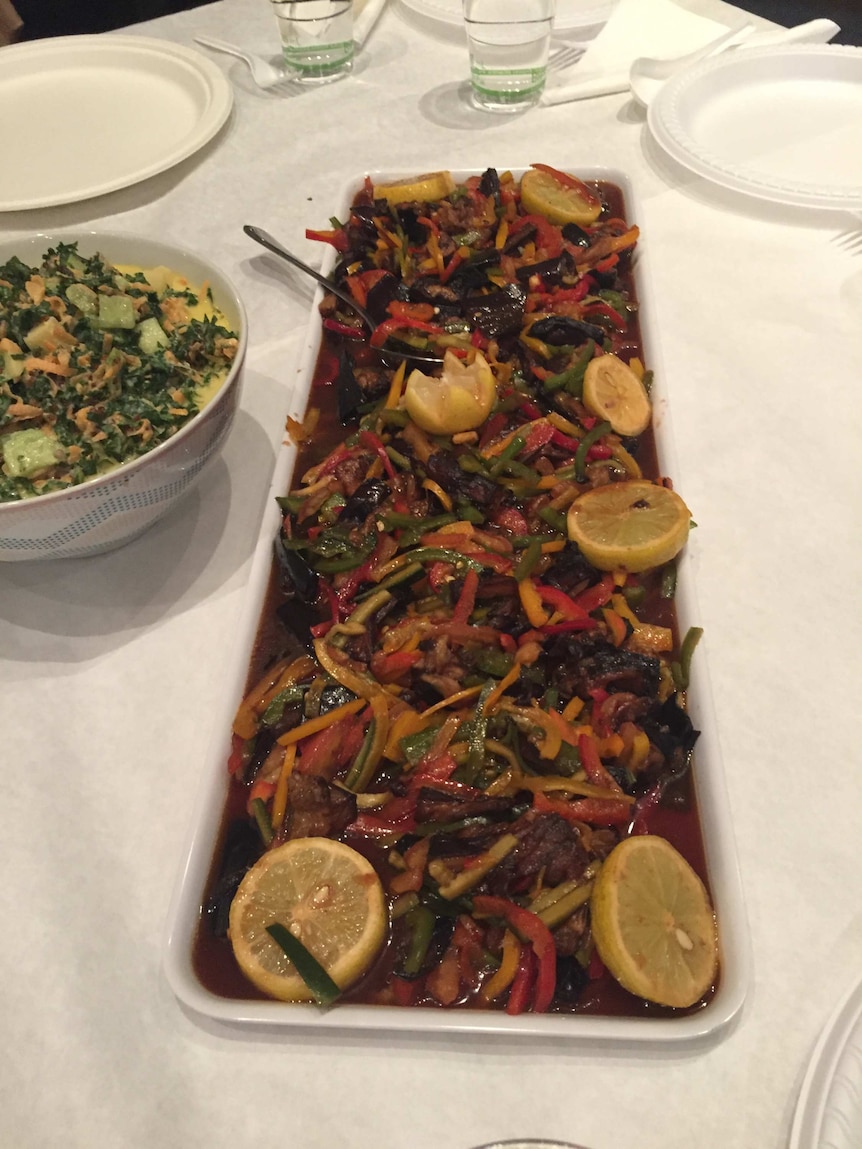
x=677, y=820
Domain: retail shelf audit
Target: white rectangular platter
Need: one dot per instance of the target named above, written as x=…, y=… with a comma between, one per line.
x=593, y=1030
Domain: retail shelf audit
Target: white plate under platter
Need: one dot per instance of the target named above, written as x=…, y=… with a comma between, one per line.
x=598, y=1031
x=778, y=123
x=86, y=115
x=571, y=14
x=829, y=1109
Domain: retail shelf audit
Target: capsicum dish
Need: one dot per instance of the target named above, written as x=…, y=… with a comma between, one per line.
x=461, y=776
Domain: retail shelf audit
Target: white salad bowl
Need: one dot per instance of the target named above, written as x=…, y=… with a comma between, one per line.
x=111, y=509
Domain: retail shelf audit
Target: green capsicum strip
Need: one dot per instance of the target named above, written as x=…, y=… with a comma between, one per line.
x=528, y=561
x=588, y=440
x=420, y=921
x=319, y=983
x=681, y=670
x=261, y=817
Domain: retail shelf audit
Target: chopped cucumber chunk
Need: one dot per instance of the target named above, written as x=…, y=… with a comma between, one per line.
x=26, y=453
x=83, y=297
x=116, y=311
x=11, y=366
x=151, y=336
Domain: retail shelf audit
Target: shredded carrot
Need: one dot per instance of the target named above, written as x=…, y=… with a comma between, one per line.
x=279, y=802
x=315, y=725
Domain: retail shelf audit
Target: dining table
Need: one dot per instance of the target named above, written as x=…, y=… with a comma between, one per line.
x=113, y=666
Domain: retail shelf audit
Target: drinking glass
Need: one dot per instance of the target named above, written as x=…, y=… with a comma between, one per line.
x=508, y=42
x=316, y=38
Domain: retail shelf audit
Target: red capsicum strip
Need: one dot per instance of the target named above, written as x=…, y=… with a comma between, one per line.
x=336, y=237
x=593, y=766
x=596, y=596
x=560, y=601
x=467, y=598
x=530, y=928
x=595, y=811
x=390, y=326
x=522, y=983
x=375, y=443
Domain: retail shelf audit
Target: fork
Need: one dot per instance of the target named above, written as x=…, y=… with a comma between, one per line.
x=851, y=239
x=264, y=74
x=565, y=56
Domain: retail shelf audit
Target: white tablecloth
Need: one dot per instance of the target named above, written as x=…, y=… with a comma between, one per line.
x=111, y=665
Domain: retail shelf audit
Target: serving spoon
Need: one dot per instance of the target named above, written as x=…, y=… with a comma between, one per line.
x=271, y=244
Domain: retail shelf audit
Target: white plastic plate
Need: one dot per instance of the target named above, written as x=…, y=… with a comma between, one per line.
x=86, y=115
x=780, y=123
x=829, y=1108
x=570, y=14
x=724, y=879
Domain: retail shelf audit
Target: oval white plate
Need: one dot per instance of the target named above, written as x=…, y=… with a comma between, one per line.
x=570, y=13
x=829, y=1109
x=85, y=115
x=781, y=123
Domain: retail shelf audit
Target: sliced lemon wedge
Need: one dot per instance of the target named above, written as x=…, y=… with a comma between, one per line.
x=460, y=399
x=614, y=393
x=542, y=194
x=428, y=188
x=629, y=526
x=327, y=895
x=653, y=923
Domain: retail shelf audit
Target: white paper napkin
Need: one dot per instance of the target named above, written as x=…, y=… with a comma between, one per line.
x=365, y=14
x=635, y=28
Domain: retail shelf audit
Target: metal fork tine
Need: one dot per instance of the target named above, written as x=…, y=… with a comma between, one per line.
x=850, y=241
x=563, y=57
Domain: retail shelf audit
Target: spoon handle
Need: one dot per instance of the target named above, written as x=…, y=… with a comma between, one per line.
x=266, y=240
x=221, y=46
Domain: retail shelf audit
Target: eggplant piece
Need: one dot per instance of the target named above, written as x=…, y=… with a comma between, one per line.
x=473, y=274
x=299, y=617
x=563, y=331
x=489, y=184
x=522, y=235
x=334, y=695
x=498, y=313
x=576, y=235
x=365, y=499
x=380, y=295
x=670, y=729
x=296, y=571
x=572, y=980
x=350, y=395
x=443, y=468
x=428, y=289
x=551, y=270
x=242, y=848
x=408, y=217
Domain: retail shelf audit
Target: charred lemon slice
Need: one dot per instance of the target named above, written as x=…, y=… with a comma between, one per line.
x=614, y=393
x=653, y=923
x=630, y=526
x=460, y=399
x=542, y=193
x=326, y=895
x=427, y=188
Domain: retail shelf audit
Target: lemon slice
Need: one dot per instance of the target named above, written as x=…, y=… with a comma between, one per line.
x=460, y=399
x=327, y=895
x=427, y=188
x=542, y=194
x=653, y=923
x=614, y=393
x=629, y=526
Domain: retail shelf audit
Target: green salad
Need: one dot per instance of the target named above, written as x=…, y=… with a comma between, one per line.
x=98, y=365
